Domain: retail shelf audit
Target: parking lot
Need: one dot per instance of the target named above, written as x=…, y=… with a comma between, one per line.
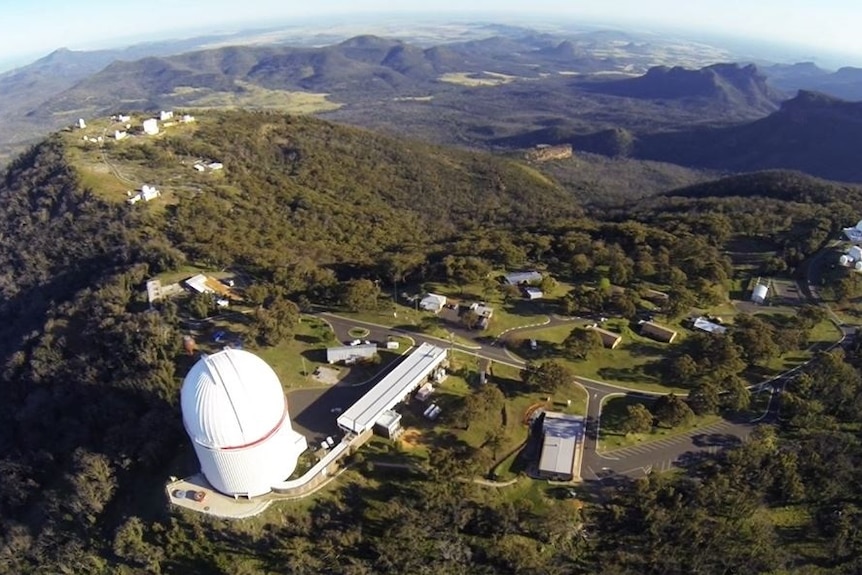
x=311, y=410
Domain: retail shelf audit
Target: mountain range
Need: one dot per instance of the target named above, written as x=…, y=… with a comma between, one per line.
x=844, y=83
x=725, y=83
x=65, y=85
x=516, y=89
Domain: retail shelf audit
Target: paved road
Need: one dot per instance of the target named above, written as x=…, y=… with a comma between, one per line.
x=313, y=406
x=663, y=455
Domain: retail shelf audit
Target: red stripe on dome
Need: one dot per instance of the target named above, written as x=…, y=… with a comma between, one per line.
x=271, y=432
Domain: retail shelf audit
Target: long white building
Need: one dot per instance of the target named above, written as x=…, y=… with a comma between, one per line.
x=407, y=376
x=235, y=413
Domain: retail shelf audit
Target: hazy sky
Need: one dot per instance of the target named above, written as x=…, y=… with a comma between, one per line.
x=36, y=27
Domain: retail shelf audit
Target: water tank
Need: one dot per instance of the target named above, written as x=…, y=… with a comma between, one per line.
x=844, y=260
x=760, y=293
x=858, y=266
x=235, y=413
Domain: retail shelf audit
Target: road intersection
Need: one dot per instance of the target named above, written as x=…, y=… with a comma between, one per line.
x=632, y=461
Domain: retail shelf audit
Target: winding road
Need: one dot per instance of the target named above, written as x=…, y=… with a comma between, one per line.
x=637, y=460
x=632, y=461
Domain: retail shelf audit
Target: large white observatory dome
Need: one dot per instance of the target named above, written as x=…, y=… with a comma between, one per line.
x=235, y=413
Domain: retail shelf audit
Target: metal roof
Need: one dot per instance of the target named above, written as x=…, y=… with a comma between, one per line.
x=346, y=352
x=232, y=399
x=562, y=433
x=657, y=331
x=392, y=389
x=704, y=324
x=517, y=278
x=389, y=418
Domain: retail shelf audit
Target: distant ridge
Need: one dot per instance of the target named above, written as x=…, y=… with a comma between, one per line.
x=731, y=84
x=813, y=133
x=845, y=83
x=783, y=185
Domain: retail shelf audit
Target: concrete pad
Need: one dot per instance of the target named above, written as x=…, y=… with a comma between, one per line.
x=181, y=492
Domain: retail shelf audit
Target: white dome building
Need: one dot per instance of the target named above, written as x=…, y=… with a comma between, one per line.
x=235, y=413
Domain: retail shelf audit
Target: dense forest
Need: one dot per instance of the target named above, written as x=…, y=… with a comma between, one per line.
x=89, y=422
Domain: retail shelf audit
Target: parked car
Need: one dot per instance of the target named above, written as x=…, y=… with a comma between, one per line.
x=356, y=342
x=330, y=442
x=336, y=410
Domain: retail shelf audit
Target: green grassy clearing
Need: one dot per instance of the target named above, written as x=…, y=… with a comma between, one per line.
x=294, y=360
x=253, y=96
x=614, y=413
x=629, y=364
x=503, y=461
x=792, y=524
x=473, y=80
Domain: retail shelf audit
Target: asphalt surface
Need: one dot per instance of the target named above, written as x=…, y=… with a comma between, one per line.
x=313, y=407
x=631, y=462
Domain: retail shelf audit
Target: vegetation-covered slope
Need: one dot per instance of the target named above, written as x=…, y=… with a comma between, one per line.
x=301, y=190
x=90, y=429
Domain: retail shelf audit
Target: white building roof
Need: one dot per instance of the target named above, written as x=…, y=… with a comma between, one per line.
x=199, y=284
x=389, y=418
x=154, y=290
x=231, y=399
x=482, y=310
x=854, y=234
x=518, y=278
x=392, y=389
x=704, y=324
x=433, y=301
x=562, y=434
x=344, y=353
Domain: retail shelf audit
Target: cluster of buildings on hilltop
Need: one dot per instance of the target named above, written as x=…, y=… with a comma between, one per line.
x=853, y=257
x=145, y=194
x=235, y=414
x=149, y=126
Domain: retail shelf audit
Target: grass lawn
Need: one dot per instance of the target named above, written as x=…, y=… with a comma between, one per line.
x=509, y=312
x=294, y=360
x=408, y=319
x=252, y=96
x=510, y=418
x=472, y=80
x=793, y=526
x=823, y=334
x=614, y=413
x=629, y=364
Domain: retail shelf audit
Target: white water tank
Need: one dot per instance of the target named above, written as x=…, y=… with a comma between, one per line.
x=235, y=413
x=760, y=293
x=844, y=260
x=858, y=266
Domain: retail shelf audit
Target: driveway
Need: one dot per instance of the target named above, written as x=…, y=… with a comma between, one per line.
x=630, y=462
